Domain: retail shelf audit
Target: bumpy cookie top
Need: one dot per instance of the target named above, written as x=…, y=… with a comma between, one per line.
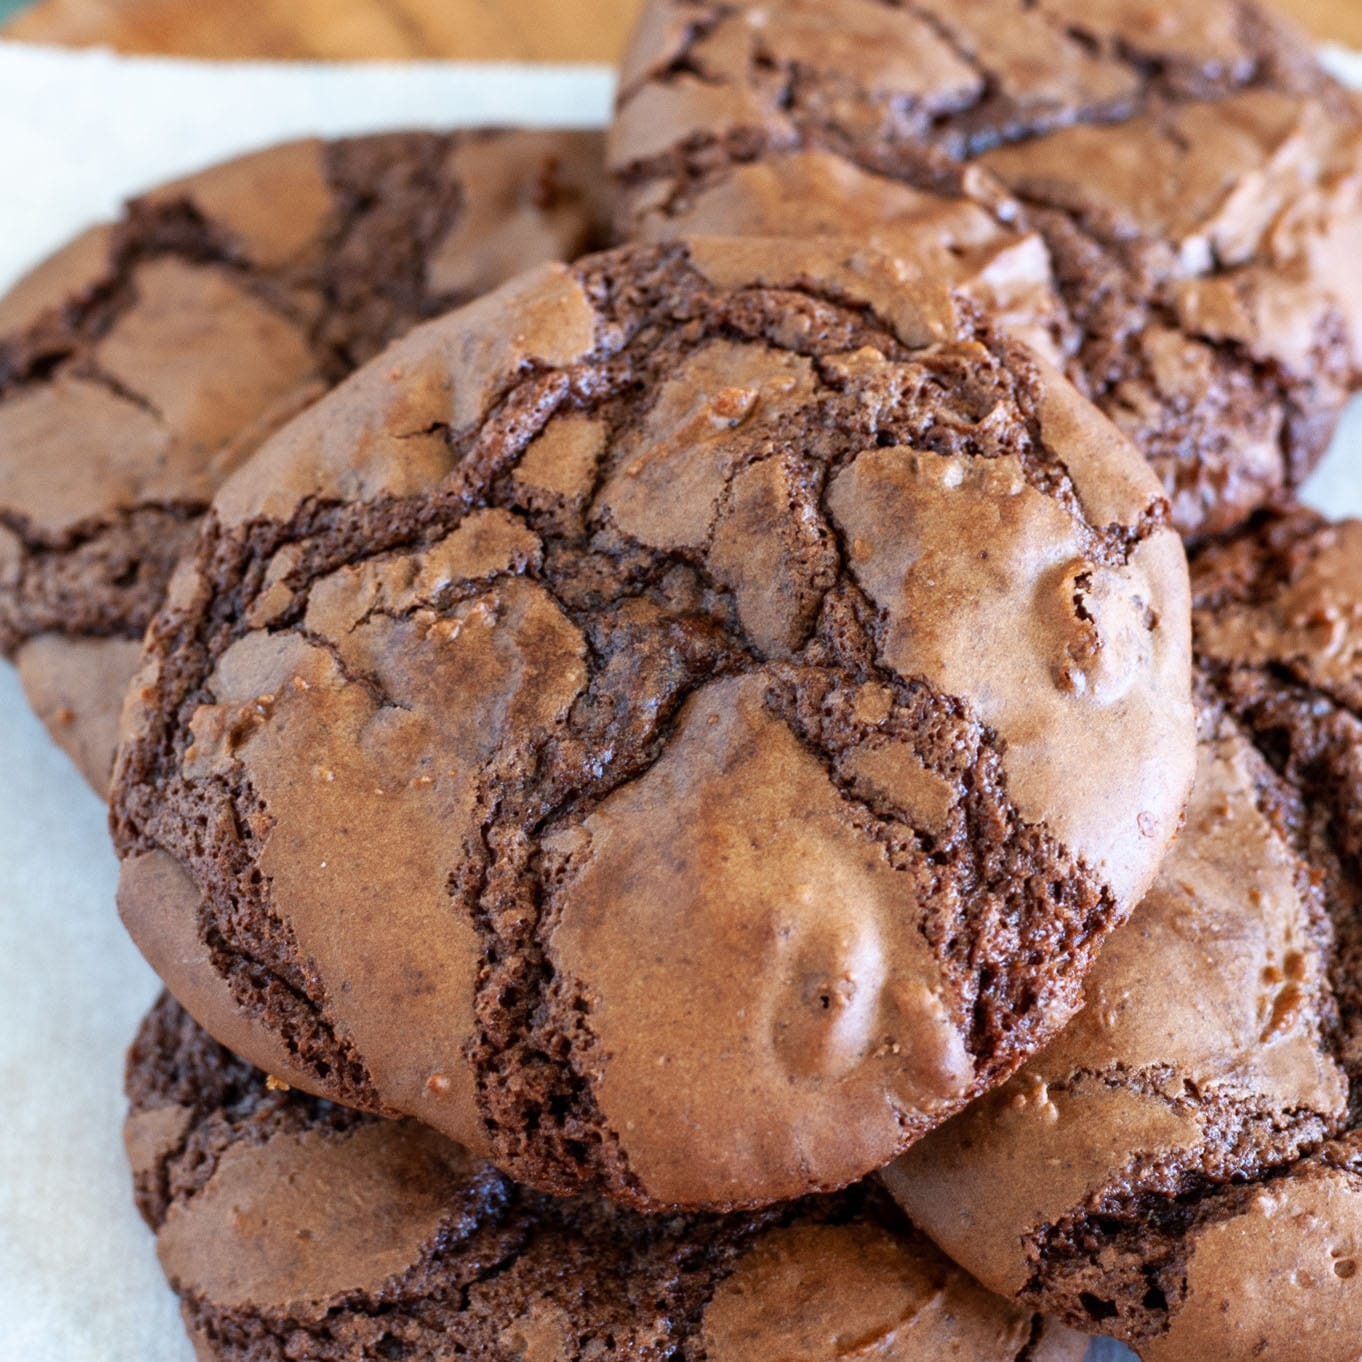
x=681, y=725
x=290, y=1227
x=1169, y=197
x=147, y=360
x=1163, y=1157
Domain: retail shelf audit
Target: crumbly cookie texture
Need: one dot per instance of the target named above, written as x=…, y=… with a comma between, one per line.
x=1169, y=202
x=147, y=360
x=293, y=1228
x=711, y=690
x=1182, y=1167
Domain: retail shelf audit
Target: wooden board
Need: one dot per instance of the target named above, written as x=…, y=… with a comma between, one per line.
x=524, y=30
x=521, y=30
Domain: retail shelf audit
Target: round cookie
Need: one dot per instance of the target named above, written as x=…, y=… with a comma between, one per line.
x=1170, y=197
x=1183, y=1167
x=147, y=360
x=292, y=1228
x=584, y=731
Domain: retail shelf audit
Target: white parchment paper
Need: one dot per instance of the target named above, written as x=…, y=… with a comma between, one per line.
x=79, y=132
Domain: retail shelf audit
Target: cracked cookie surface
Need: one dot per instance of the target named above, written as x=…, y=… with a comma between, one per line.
x=1167, y=199
x=1183, y=1167
x=293, y=1228
x=145, y=362
x=586, y=730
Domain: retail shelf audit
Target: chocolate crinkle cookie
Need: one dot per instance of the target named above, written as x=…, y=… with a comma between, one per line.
x=1166, y=198
x=681, y=726
x=1183, y=1167
x=146, y=361
x=291, y=1228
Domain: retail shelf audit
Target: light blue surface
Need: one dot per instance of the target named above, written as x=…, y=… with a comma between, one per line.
x=9, y=7
x=1108, y=1350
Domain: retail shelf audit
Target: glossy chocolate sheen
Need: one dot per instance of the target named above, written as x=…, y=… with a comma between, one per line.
x=291, y=1228
x=1182, y=1166
x=585, y=730
x=151, y=357
x=1166, y=199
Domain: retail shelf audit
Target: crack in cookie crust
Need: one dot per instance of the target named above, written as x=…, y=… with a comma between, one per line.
x=144, y=363
x=1214, y=1151
x=1012, y=148
x=586, y=608
x=390, y=1243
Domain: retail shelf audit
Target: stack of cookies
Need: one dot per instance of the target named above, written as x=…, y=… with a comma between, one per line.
x=728, y=738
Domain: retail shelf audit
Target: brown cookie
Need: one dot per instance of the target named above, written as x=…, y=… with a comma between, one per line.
x=1183, y=1167
x=293, y=1228
x=586, y=729
x=147, y=360
x=1167, y=198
